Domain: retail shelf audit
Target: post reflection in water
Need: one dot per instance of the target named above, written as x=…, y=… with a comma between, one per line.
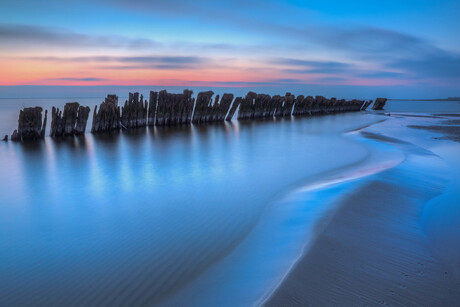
x=132, y=217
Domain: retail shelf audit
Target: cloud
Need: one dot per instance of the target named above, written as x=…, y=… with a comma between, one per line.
x=127, y=59
x=381, y=74
x=428, y=63
x=275, y=18
x=270, y=82
x=300, y=66
x=370, y=41
x=164, y=59
x=395, y=54
x=134, y=62
x=89, y=79
x=26, y=35
x=411, y=56
x=172, y=7
x=332, y=79
x=151, y=67
x=83, y=79
x=387, y=48
x=438, y=65
x=179, y=8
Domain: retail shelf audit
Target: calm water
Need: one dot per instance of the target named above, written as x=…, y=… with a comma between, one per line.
x=181, y=215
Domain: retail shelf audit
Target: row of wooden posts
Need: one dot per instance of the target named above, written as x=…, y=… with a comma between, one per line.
x=167, y=109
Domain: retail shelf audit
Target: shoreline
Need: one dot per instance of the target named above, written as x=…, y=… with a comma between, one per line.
x=373, y=250
x=340, y=185
x=278, y=236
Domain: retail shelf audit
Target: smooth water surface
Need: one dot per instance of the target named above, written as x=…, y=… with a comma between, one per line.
x=149, y=216
x=132, y=217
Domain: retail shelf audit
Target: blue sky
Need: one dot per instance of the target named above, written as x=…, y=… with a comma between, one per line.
x=412, y=44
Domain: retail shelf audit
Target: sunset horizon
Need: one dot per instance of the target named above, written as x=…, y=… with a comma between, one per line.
x=202, y=43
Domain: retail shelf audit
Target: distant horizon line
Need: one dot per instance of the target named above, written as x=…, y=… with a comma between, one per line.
x=98, y=97
x=235, y=84
x=253, y=87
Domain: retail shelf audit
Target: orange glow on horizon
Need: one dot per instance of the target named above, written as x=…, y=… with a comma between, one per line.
x=18, y=71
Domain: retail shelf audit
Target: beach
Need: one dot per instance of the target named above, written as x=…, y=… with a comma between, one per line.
x=380, y=247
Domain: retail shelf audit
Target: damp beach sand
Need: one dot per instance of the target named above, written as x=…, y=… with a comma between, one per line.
x=393, y=241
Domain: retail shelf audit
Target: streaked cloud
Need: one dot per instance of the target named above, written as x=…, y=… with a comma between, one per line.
x=127, y=59
x=436, y=65
x=88, y=79
x=227, y=43
x=31, y=35
x=132, y=62
x=381, y=74
x=300, y=66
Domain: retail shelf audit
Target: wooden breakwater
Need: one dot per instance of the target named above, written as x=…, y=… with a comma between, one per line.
x=169, y=109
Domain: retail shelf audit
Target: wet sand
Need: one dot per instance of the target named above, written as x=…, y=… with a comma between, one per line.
x=375, y=251
x=451, y=130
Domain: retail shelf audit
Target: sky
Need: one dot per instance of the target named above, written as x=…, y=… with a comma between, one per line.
x=411, y=45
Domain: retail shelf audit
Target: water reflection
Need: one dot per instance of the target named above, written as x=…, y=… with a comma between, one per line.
x=132, y=217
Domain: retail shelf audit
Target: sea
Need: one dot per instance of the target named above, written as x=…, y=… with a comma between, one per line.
x=197, y=215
